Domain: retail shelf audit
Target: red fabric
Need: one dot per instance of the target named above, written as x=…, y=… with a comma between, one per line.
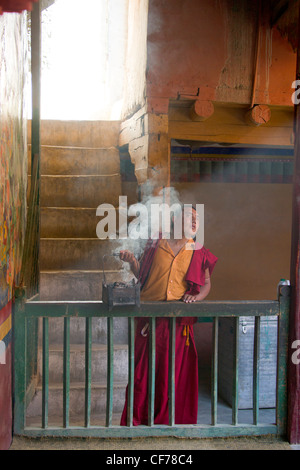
x=6, y=388
x=6, y=402
x=16, y=6
x=186, y=376
x=195, y=277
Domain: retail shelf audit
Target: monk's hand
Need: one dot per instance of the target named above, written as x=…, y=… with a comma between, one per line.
x=188, y=298
x=127, y=256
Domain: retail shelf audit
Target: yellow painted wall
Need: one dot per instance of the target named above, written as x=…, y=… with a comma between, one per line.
x=248, y=226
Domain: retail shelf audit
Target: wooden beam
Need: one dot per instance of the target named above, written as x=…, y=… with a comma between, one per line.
x=258, y=115
x=228, y=125
x=201, y=110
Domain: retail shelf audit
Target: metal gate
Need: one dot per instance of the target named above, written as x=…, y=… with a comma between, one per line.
x=27, y=312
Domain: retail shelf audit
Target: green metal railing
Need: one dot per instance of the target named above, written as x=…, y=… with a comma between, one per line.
x=26, y=310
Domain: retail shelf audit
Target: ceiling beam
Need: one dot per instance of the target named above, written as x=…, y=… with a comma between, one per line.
x=279, y=8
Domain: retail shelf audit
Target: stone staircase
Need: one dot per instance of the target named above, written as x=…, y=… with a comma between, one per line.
x=80, y=169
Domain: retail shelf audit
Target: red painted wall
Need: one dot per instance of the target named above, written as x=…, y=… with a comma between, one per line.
x=208, y=47
x=13, y=171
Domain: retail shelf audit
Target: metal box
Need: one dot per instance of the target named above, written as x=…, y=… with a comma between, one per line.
x=121, y=294
x=267, y=363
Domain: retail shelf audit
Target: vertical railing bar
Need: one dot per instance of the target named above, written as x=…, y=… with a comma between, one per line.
x=88, y=362
x=151, y=369
x=66, y=372
x=172, y=339
x=282, y=359
x=130, y=389
x=256, y=361
x=110, y=371
x=214, y=374
x=19, y=355
x=235, y=378
x=45, y=379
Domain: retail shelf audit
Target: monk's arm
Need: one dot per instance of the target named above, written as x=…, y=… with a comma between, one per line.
x=204, y=290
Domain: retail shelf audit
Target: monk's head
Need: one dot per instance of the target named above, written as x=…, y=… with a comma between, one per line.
x=188, y=220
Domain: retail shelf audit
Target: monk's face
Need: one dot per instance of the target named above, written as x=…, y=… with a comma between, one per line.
x=190, y=221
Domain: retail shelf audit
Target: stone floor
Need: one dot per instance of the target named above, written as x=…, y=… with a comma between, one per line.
x=169, y=443
x=153, y=444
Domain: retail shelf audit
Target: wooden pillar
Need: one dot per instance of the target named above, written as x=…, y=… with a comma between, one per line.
x=36, y=51
x=30, y=262
x=159, y=150
x=36, y=78
x=146, y=134
x=294, y=368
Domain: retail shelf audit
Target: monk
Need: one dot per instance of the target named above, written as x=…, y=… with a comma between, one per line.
x=168, y=271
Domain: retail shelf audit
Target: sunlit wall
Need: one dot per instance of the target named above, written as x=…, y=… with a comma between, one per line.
x=83, y=57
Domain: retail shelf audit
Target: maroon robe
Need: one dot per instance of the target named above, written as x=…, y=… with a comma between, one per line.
x=186, y=360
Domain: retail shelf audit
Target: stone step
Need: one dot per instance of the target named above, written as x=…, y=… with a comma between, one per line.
x=79, y=191
x=78, y=328
x=77, y=363
x=71, y=222
x=78, y=285
x=77, y=161
x=81, y=285
x=77, y=400
x=78, y=133
x=78, y=254
x=68, y=222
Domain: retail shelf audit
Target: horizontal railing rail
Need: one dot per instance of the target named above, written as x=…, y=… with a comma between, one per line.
x=204, y=311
